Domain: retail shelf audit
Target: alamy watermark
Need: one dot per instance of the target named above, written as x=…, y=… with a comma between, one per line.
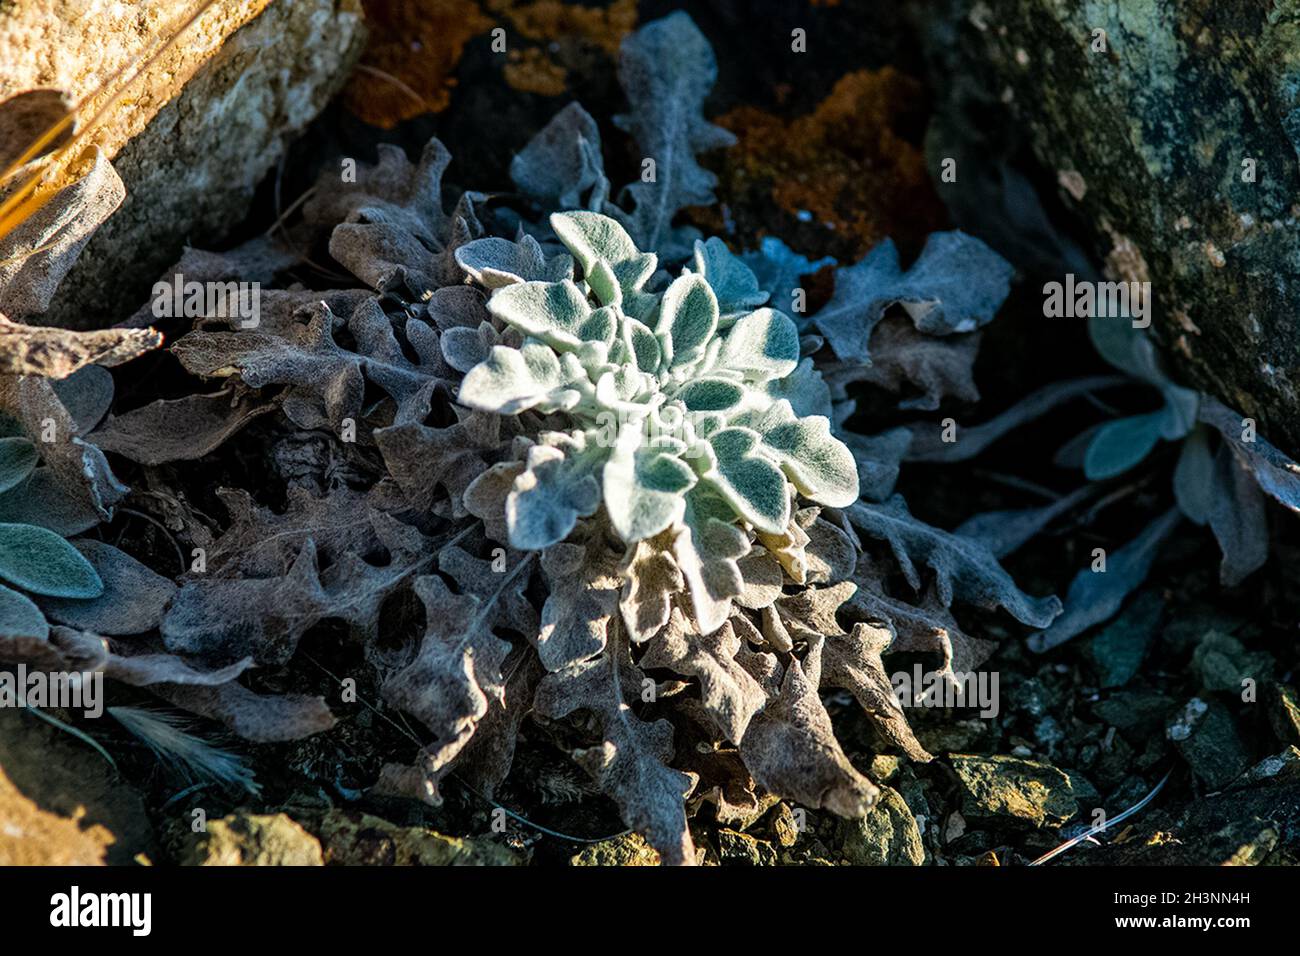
x=1084, y=299
x=948, y=689
x=223, y=300
x=67, y=690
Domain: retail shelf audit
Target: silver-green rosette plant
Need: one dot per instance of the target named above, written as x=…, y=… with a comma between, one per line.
x=686, y=410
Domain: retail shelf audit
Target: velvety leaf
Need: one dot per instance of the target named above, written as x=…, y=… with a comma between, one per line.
x=778, y=269
x=42, y=501
x=706, y=547
x=940, y=367
x=1119, y=445
x=644, y=488
x=1095, y=596
x=132, y=600
x=817, y=463
x=749, y=483
x=730, y=695
x=630, y=762
x=260, y=718
x=181, y=429
x=852, y=661
x=688, y=317
x=805, y=390
x=40, y=561
x=791, y=750
x=956, y=285
x=651, y=582
x=928, y=443
x=78, y=469
x=732, y=281
x=554, y=312
x=493, y=262
x=1003, y=532
x=87, y=395
x=593, y=239
x=424, y=459
x=964, y=568
x=20, y=618
x=762, y=345
x=555, y=489
x=1237, y=518
x=58, y=231
x=583, y=596
x=17, y=459
x=1278, y=476
x=454, y=673
x=878, y=458
x=561, y=166
x=925, y=628
x=262, y=618
x=667, y=69
x=1194, y=477
x=514, y=380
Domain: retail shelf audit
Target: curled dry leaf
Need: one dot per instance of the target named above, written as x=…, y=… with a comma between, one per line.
x=57, y=353
x=790, y=748
x=630, y=762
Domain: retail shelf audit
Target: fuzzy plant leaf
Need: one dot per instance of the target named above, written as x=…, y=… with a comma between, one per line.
x=20, y=618
x=779, y=270
x=493, y=262
x=37, y=254
x=630, y=762
x=667, y=69
x=131, y=602
x=41, y=562
x=851, y=660
x=58, y=353
x=454, y=673
x=1237, y=517
x=1095, y=596
x=1276, y=474
x=924, y=369
x=561, y=167
x=790, y=746
x=732, y=281
x=964, y=568
x=17, y=459
x=678, y=425
x=924, y=627
x=956, y=285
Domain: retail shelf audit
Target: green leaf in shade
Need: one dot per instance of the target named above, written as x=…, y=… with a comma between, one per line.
x=40, y=561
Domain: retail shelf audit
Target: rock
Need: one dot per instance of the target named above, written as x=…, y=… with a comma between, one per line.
x=951, y=736
x=1284, y=713
x=1224, y=663
x=1009, y=789
x=251, y=839
x=1173, y=128
x=1206, y=736
x=630, y=849
x=1249, y=827
x=193, y=135
x=1117, y=651
x=1281, y=768
x=60, y=802
x=359, y=839
x=887, y=836
x=1137, y=714
x=745, y=850
x=785, y=826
